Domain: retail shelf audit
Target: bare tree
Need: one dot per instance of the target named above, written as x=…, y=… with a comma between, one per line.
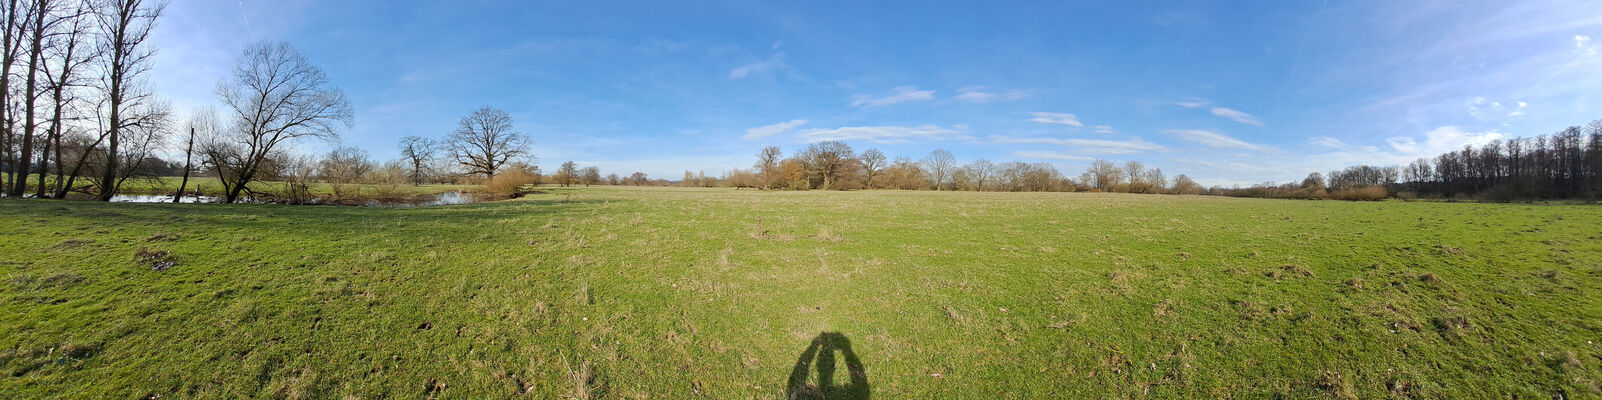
x=137, y=159
x=768, y=166
x=905, y=175
x=939, y=163
x=1135, y=172
x=202, y=123
x=567, y=174
x=590, y=175
x=343, y=168
x=40, y=19
x=1158, y=181
x=15, y=26
x=1183, y=185
x=274, y=96
x=124, y=27
x=1103, y=175
x=825, y=161
x=873, y=163
x=65, y=76
x=484, y=141
x=417, y=151
x=979, y=172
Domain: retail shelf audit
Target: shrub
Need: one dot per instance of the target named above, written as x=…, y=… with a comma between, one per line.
x=1366, y=193
x=509, y=183
x=388, y=179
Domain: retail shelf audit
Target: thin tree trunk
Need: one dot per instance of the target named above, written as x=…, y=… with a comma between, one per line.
x=12, y=30
x=19, y=182
x=58, y=90
x=417, y=172
x=60, y=192
x=108, y=178
x=119, y=54
x=188, y=158
x=44, y=169
x=233, y=192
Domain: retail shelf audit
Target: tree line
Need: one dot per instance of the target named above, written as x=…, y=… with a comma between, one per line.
x=73, y=106
x=834, y=165
x=1563, y=165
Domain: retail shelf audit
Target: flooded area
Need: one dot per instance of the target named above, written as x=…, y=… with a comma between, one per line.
x=151, y=198
x=441, y=199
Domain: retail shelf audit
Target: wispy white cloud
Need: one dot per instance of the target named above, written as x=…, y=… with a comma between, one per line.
x=1088, y=146
x=1049, y=155
x=1484, y=109
x=1056, y=118
x=1212, y=139
x=977, y=94
x=770, y=130
x=1441, y=140
x=775, y=62
x=1330, y=142
x=1232, y=114
x=1237, y=116
x=1105, y=129
x=880, y=134
x=902, y=94
x=1583, y=46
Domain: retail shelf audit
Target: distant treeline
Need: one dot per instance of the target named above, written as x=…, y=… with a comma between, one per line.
x=1563, y=165
x=834, y=165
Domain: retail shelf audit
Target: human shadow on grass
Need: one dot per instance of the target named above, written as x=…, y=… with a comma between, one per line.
x=821, y=354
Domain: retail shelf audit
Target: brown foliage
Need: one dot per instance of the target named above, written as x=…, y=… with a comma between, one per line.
x=510, y=183
x=1367, y=193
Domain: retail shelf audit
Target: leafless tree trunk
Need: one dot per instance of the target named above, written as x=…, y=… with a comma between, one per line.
x=38, y=12
x=189, y=158
x=61, y=82
x=275, y=95
x=15, y=25
x=201, y=120
x=125, y=25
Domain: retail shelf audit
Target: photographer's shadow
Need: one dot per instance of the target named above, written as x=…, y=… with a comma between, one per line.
x=821, y=354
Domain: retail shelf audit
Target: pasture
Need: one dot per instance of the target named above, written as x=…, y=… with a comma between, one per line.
x=613, y=292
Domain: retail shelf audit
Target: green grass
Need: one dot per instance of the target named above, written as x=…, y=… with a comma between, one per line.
x=683, y=293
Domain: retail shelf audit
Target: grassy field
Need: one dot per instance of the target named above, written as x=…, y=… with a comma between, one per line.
x=692, y=293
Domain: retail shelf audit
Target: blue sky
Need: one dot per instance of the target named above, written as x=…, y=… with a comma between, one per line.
x=1227, y=92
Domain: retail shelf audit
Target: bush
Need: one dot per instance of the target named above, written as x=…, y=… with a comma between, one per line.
x=388, y=179
x=1366, y=193
x=510, y=183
